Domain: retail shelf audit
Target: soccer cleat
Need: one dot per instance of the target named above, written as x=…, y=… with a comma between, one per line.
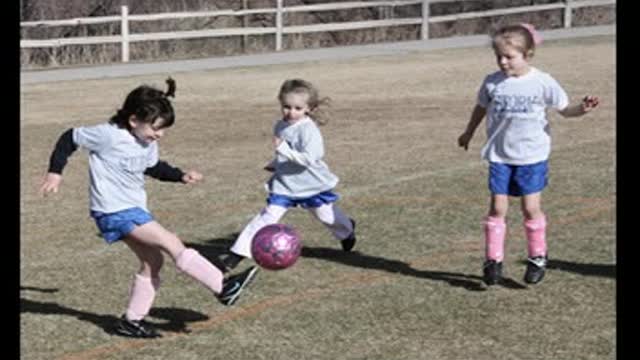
x=233, y=286
x=492, y=271
x=349, y=242
x=230, y=261
x=535, y=269
x=136, y=328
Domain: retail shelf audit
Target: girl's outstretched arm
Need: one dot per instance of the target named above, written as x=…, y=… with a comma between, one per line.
x=476, y=117
x=50, y=183
x=164, y=172
x=191, y=177
x=587, y=104
x=57, y=161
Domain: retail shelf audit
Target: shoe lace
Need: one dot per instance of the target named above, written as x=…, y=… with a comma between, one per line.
x=538, y=261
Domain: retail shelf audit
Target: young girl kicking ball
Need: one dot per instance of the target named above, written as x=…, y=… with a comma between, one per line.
x=121, y=152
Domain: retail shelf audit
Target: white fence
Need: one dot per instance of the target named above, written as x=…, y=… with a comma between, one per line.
x=125, y=37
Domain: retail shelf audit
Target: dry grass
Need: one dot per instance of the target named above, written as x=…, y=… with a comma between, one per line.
x=412, y=291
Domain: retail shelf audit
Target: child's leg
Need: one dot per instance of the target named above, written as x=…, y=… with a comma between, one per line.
x=146, y=282
x=495, y=228
x=271, y=214
x=333, y=218
x=187, y=260
x=151, y=258
x=535, y=225
x=141, y=296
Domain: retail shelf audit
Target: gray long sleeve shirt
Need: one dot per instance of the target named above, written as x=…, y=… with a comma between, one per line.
x=117, y=162
x=299, y=169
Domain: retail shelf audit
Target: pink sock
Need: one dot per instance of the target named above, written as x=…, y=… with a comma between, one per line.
x=536, y=230
x=199, y=268
x=494, y=232
x=141, y=295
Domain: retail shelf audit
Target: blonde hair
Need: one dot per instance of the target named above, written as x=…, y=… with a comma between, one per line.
x=315, y=102
x=517, y=36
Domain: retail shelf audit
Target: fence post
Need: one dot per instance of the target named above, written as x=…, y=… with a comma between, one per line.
x=245, y=25
x=424, y=31
x=124, y=29
x=567, y=13
x=279, y=26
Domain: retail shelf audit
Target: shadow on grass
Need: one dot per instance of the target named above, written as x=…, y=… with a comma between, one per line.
x=175, y=320
x=511, y=284
x=601, y=270
x=213, y=248
x=355, y=258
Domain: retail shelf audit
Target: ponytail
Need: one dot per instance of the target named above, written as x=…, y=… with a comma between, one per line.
x=171, y=88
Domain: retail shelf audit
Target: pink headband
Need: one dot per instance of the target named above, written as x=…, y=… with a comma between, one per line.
x=537, y=38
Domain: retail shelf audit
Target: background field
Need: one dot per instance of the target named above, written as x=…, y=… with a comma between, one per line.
x=413, y=288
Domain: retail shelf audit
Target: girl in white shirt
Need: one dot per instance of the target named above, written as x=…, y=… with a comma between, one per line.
x=300, y=176
x=515, y=98
x=121, y=152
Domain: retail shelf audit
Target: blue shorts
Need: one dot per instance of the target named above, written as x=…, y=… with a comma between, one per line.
x=315, y=201
x=517, y=180
x=115, y=226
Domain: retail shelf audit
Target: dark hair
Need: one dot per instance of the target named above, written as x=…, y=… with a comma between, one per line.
x=518, y=36
x=147, y=104
x=300, y=86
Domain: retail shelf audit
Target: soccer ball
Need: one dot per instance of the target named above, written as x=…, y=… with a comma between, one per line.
x=276, y=247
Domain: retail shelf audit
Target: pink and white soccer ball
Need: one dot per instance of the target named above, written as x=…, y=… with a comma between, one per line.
x=276, y=247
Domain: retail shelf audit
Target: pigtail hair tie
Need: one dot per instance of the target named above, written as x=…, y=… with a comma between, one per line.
x=537, y=38
x=171, y=88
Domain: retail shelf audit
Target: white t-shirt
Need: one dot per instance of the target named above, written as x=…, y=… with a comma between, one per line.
x=517, y=128
x=117, y=161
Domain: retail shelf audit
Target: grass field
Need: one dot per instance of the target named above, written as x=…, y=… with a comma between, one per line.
x=413, y=288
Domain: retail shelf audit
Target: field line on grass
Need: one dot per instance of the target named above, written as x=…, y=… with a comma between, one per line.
x=382, y=200
x=349, y=281
x=590, y=212
x=448, y=170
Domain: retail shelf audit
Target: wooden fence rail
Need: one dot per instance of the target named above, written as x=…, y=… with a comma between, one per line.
x=279, y=29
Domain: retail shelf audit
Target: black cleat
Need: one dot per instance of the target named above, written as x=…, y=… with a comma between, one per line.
x=136, y=329
x=349, y=242
x=230, y=261
x=535, y=269
x=233, y=286
x=492, y=272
